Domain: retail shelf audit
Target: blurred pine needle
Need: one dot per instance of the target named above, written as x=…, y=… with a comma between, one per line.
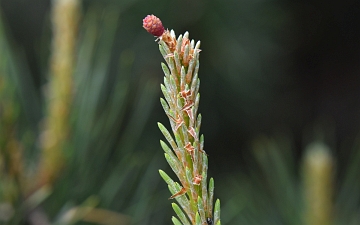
x=92, y=126
x=278, y=190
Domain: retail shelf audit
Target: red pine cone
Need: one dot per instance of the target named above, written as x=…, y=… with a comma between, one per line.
x=153, y=25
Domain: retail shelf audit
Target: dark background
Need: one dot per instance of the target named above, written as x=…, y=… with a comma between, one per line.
x=265, y=65
x=275, y=67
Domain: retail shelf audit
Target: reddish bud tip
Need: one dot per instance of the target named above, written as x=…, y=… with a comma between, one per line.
x=153, y=25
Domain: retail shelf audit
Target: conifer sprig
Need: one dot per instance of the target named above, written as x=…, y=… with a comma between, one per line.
x=187, y=157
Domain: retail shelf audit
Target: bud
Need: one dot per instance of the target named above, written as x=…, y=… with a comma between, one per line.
x=153, y=25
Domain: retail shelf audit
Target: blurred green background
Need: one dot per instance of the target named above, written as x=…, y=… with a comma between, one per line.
x=276, y=76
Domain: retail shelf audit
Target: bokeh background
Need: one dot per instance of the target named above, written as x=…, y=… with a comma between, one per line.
x=276, y=76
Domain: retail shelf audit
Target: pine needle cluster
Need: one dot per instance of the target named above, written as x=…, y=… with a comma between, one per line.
x=187, y=157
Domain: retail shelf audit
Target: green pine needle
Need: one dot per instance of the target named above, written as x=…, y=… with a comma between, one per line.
x=187, y=157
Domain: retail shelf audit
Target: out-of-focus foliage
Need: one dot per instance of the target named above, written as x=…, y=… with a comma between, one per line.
x=265, y=65
x=277, y=191
x=108, y=168
x=110, y=110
